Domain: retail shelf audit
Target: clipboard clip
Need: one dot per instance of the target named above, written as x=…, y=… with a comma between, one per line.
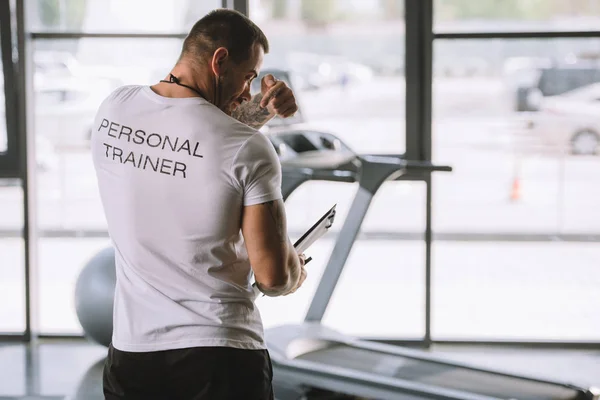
x=330, y=218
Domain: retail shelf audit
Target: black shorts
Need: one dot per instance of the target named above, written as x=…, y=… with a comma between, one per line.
x=198, y=373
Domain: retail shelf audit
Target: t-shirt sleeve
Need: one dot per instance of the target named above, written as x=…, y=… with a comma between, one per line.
x=256, y=171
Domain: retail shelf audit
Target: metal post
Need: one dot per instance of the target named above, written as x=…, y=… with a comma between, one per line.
x=339, y=255
x=9, y=161
x=418, y=67
x=238, y=5
x=28, y=171
x=428, y=242
x=418, y=75
x=374, y=172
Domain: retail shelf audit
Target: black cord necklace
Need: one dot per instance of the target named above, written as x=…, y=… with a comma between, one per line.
x=175, y=80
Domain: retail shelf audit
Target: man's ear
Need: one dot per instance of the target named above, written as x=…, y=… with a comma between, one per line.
x=218, y=60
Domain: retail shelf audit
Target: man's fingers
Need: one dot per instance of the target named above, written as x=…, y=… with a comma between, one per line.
x=269, y=79
x=283, y=97
x=289, y=113
x=302, y=258
x=302, y=278
x=272, y=92
x=287, y=109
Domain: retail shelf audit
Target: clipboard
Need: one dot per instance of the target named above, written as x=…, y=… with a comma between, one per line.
x=310, y=236
x=316, y=231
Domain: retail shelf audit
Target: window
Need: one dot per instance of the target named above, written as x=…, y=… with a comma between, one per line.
x=71, y=78
x=139, y=16
x=327, y=76
x=70, y=216
x=515, y=15
x=515, y=222
x=345, y=60
x=515, y=120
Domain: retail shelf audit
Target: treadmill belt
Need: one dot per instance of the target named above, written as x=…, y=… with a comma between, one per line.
x=440, y=375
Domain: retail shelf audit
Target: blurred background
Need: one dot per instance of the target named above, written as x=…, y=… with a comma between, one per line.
x=516, y=224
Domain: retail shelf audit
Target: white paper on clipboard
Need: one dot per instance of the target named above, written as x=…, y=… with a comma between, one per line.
x=310, y=236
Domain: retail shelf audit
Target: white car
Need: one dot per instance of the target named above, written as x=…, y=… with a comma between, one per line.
x=570, y=120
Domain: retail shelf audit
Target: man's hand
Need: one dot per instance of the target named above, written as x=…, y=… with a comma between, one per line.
x=303, y=274
x=276, y=98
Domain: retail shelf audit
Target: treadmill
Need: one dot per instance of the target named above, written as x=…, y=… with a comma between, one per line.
x=311, y=361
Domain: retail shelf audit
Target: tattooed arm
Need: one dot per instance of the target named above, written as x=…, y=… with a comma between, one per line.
x=277, y=267
x=276, y=98
x=252, y=114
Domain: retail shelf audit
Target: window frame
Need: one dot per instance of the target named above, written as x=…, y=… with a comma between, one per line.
x=9, y=160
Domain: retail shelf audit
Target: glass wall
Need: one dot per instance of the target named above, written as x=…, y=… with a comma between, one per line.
x=71, y=78
x=516, y=15
x=70, y=217
x=109, y=16
x=349, y=93
x=516, y=222
x=524, y=160
x=518, y=121
x=346, y=61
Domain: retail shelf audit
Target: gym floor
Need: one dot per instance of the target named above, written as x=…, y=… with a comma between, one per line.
x=71, y=369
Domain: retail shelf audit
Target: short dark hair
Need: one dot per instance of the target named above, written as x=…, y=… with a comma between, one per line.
x=224, y=28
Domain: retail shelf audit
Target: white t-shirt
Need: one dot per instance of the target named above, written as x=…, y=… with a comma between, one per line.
x=174, y=175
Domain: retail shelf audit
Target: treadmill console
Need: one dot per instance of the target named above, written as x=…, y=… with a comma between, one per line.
x=292, y=144
x=311, y=149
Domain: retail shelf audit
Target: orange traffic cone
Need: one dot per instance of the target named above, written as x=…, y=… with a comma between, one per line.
x=515, y=192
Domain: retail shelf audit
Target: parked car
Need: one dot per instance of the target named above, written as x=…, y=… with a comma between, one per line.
x=571, y=119
x=541, y=78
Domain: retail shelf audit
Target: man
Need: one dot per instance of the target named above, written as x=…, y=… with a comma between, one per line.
x=192, y=198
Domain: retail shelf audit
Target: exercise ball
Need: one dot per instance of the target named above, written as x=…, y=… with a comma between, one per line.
x=94, y=296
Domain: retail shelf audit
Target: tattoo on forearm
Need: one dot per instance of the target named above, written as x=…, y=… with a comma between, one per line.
x=275, y=212
x=252, y=114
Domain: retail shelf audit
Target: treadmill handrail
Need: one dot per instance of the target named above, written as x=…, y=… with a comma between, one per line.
x=372, y=379
x=373, y=174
